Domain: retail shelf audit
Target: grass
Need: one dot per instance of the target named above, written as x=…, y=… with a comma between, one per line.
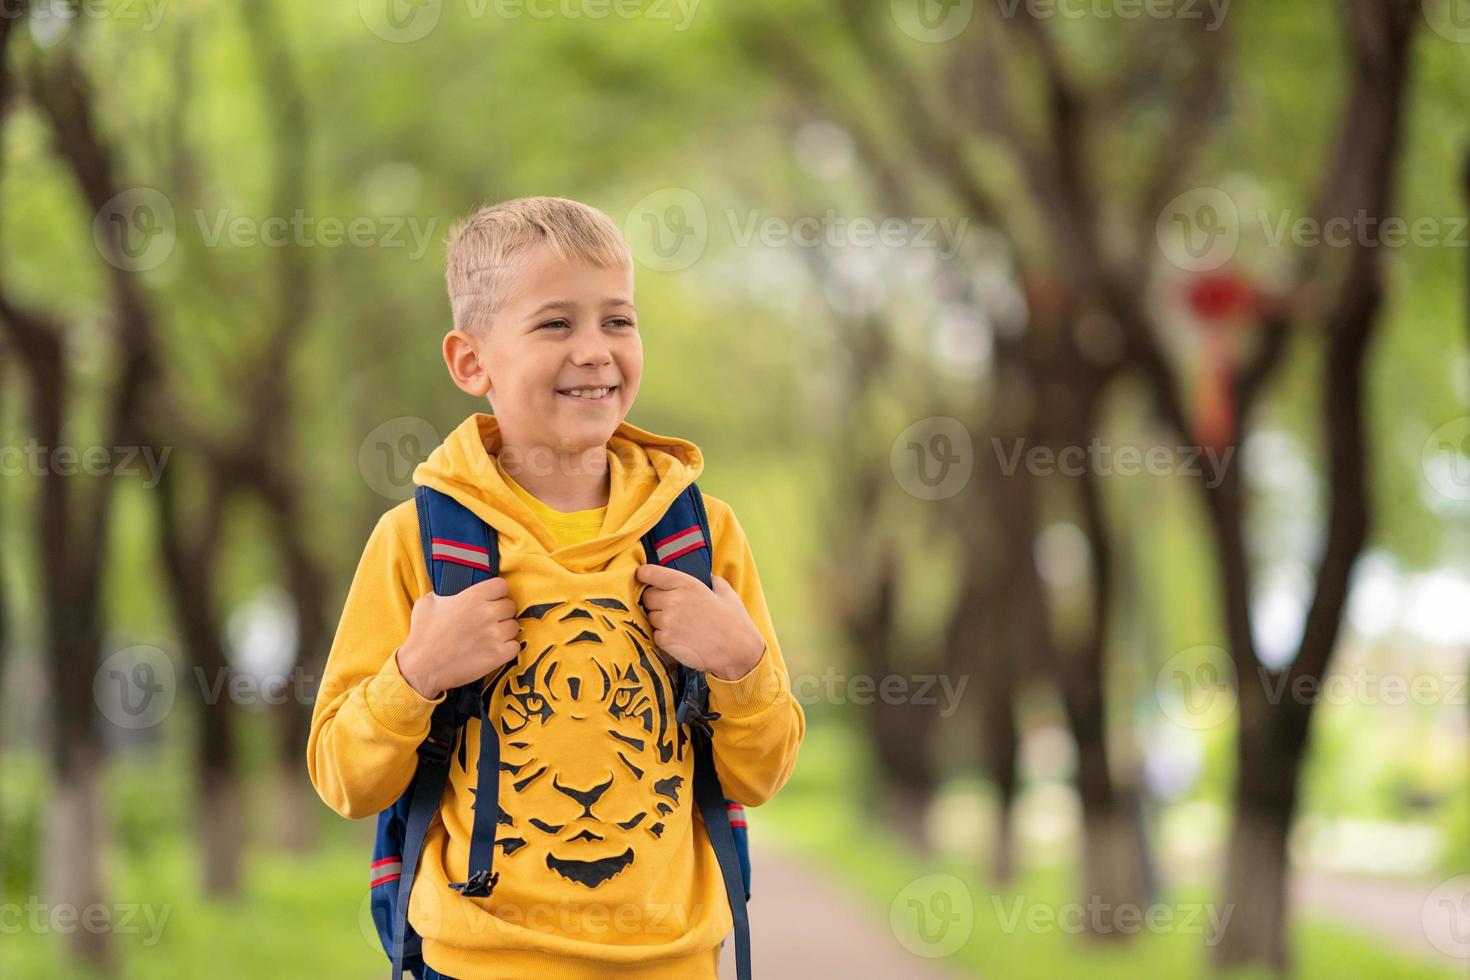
x=873, y=864
x=307, y=917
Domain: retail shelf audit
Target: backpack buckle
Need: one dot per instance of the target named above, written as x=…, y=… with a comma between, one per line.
x=478, y=885
x=689, y=713
x=437, y=748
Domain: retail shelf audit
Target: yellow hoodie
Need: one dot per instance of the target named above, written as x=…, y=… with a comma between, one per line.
x=604, y=866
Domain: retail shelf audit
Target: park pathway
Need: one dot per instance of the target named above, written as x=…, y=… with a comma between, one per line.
x=805, y=926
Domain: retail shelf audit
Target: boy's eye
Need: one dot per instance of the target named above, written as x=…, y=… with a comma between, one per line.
x=620, y=321
x=556, y=323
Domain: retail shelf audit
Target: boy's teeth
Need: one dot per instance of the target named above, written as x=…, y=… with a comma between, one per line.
x=589, y=392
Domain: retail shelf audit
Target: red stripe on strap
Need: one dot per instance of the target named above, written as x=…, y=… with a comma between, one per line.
x=737, y=823
x=385, y=879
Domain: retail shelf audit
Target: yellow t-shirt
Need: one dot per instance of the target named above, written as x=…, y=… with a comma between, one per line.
x=567, y=527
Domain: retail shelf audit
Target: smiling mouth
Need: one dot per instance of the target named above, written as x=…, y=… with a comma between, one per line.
x=590, y=395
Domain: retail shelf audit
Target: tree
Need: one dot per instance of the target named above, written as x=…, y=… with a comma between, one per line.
x=72, y=520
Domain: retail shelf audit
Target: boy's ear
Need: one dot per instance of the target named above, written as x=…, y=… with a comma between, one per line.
x=466, y=367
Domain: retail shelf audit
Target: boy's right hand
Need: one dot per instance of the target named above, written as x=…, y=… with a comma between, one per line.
x=456, y=639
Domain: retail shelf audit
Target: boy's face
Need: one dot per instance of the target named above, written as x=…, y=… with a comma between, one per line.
x=564, y=327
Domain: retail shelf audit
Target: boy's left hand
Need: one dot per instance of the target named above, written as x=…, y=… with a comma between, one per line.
x=704, y=629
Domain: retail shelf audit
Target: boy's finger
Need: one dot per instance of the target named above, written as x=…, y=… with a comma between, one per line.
x=661, y=577
x=491, y=589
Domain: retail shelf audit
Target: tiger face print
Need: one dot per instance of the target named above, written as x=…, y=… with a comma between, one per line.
x=589, y=740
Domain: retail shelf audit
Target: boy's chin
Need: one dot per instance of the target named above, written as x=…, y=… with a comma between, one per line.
x=576, y=438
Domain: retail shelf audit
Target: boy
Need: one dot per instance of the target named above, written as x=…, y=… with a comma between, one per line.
x=603, y=867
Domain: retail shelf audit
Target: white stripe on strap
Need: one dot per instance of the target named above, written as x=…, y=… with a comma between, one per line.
x=672, y=547
x=462, y=553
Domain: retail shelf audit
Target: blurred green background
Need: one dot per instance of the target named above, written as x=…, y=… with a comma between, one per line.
x=1089, y=376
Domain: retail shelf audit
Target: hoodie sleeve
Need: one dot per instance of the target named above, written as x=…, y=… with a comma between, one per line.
x=761, y=724
x=368, y=721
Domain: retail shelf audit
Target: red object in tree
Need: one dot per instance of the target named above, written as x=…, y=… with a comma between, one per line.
x=1221, y=296
x=1226, y=305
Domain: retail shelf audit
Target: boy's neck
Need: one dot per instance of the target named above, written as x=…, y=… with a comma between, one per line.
x=564, y=481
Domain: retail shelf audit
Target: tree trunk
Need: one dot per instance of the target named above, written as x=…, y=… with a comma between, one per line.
x=71, y=853
x=902, y=734
x=221, y=831
x=1270, y=759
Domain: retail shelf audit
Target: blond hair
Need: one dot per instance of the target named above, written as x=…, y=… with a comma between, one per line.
x=489, y=247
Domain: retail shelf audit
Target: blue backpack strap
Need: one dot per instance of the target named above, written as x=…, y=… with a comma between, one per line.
x=681, y=539
x=460, y=550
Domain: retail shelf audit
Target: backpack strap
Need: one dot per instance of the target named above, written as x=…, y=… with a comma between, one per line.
x=460, y=550
x=681, y=539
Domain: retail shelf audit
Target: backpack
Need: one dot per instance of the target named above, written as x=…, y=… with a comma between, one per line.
x=460, y=550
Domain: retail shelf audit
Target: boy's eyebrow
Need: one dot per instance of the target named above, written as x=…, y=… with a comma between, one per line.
x=566, y=304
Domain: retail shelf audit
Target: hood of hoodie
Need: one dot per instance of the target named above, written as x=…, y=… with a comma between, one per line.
x=647, y=472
